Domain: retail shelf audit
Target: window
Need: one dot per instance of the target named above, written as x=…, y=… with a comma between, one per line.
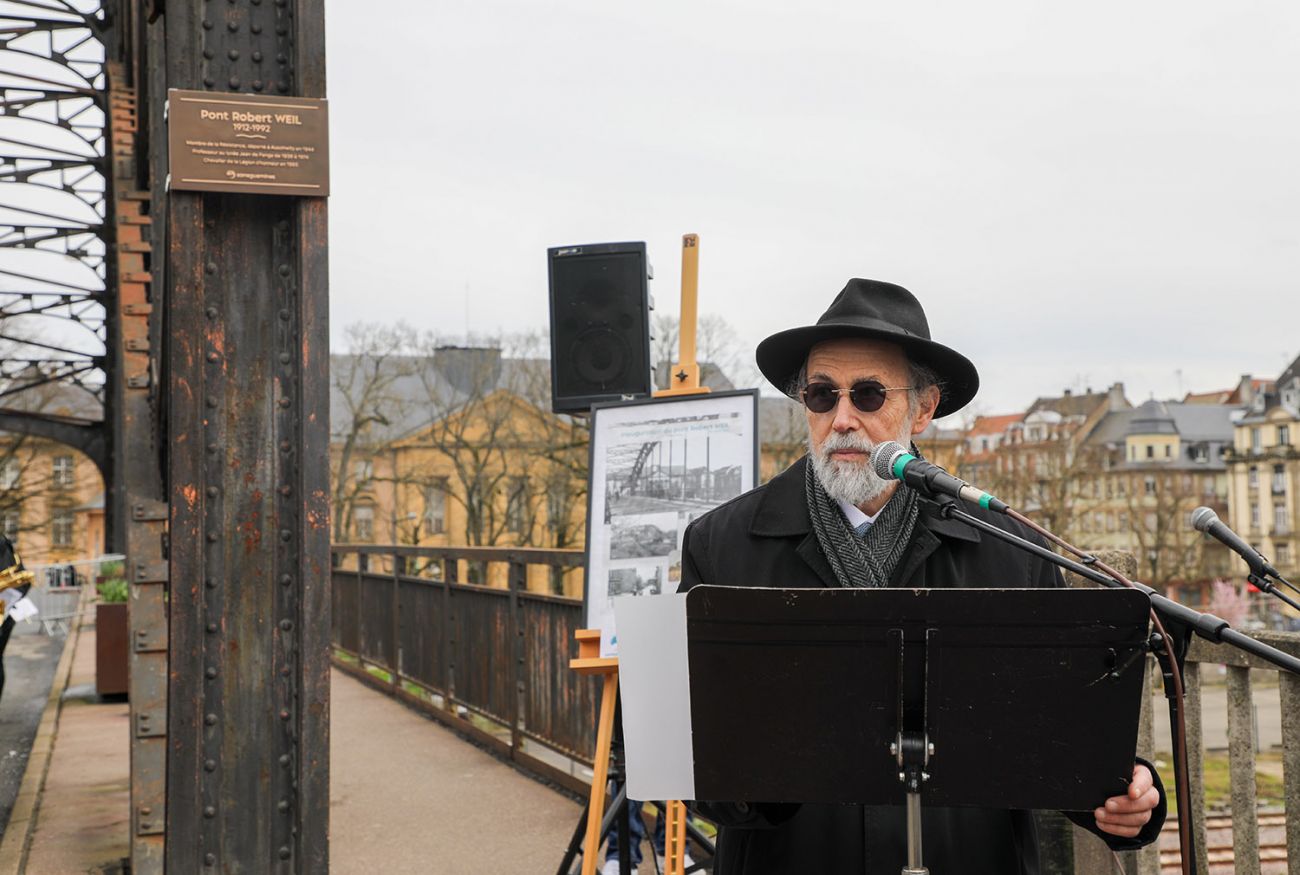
x=557, y=505
x=1252, y=477
x=1132, y=453
x=61, y=526
x=1283, y=554
x=1279, y=480
x=1151, y=451
x=984, y=444
x=1255, y=441
x=435, y=507
x=10, y=523
x=363, y=523
x=1254, y=514
x=1123, y=520
x=363, y=472
x=63, y=471
x=1283, y=436
x=1279, y=518
x=10, y=471
x=1169, y=451
x=1149, y=484
x=517, y=506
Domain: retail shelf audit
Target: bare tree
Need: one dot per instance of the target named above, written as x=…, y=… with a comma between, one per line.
x=716, y=342
x=1169, y=550
x=367, y=405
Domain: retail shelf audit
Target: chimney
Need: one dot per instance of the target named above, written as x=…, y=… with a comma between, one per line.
x=472, y=370
x=1065, y=393
x=1115, y=399
x=1245, y=390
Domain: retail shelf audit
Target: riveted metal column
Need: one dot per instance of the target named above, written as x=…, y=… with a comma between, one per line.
x=248, y=768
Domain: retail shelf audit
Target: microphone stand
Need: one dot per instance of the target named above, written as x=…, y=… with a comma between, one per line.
x=1207, y=626
x=1170, y=650
x=1262, y=583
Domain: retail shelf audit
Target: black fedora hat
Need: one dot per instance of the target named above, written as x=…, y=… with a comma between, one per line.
x=877, y=311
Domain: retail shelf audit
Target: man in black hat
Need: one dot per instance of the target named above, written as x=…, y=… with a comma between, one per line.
x=868, y=373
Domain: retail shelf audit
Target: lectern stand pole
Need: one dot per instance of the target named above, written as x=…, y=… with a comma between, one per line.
x=914, y=866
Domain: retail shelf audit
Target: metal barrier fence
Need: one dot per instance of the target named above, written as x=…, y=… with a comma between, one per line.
x=492, y=663
x=56, y=592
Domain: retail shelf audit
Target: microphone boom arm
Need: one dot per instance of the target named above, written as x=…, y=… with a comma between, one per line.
x=1207, y=626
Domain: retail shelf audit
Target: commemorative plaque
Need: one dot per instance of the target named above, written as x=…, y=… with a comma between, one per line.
x=248, y=143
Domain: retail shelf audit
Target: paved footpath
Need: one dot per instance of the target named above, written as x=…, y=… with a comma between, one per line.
x=409, y=796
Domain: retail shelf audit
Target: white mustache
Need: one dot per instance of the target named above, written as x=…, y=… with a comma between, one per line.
x=846, y=441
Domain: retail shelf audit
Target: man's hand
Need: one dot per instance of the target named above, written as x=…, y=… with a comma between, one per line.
x=1126, y=815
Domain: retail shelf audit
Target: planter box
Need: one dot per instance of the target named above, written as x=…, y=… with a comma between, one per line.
x=110, y=648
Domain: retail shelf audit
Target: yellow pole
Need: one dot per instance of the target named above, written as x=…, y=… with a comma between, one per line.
x=600, y=772
x=675, y=838
x=685, y=376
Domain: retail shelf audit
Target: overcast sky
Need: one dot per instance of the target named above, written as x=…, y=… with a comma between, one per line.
x=1078, y=193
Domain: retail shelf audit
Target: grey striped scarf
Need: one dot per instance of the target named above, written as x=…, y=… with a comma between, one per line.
x=871, y=559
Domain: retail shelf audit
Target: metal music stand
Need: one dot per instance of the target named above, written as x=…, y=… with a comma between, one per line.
x=886, y=696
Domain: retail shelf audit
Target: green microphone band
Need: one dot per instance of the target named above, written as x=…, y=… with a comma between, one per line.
x=903, y=460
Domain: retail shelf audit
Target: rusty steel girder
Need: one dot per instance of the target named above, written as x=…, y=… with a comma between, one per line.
x=222, y=344
x=247, y=436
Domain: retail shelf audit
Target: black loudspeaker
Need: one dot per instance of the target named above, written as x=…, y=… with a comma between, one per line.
x=600, y=324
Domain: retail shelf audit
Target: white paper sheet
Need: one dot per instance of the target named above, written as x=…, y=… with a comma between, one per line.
x=654, y=679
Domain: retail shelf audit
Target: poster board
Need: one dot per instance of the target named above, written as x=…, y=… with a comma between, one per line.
x=655, y=466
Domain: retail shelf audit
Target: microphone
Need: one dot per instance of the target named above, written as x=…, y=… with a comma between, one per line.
x=1206, y=520
x=892, y=461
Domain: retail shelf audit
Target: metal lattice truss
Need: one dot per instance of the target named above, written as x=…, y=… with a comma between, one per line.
x=52, y=206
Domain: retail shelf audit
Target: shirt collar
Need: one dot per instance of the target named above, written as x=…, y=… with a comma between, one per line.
x=854, y=514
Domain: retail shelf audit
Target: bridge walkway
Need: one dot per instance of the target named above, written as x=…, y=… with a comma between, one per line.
x=407, y=795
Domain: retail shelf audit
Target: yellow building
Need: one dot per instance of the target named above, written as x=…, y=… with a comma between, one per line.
x=1264, y=469
x=1151, y=467
x=51, y=500
x=458, y=449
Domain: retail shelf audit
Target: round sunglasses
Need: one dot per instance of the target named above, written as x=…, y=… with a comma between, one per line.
x=867, y=395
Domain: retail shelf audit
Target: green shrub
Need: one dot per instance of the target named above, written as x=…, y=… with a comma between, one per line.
x=114, y=590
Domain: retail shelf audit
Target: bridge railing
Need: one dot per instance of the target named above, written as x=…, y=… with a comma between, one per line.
x=1251, y=851
x=492, y=663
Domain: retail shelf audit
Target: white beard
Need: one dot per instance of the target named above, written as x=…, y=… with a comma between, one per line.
x=854, y=483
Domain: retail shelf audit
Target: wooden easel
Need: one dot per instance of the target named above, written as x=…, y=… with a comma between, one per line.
x=685, y=380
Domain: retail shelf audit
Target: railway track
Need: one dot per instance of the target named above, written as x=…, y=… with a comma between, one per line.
x=1219, y=854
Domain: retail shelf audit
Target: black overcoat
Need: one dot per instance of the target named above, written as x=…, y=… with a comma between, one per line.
x=765, y=538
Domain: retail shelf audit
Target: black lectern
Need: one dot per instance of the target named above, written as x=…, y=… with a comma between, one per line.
x=999, y=698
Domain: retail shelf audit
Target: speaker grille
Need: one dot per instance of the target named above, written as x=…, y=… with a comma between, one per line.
x=599, y=324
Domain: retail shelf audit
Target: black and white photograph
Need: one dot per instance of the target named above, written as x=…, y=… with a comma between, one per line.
x=636, y=580
x=638, y=537
x=656, y=466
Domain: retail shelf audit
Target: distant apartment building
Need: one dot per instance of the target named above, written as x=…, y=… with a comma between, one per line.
x=1108, y=476
x=1264, y=471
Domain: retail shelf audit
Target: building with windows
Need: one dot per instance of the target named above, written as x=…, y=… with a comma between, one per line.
x=1264, y=472
x=1152, y=466
x=51, y=495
